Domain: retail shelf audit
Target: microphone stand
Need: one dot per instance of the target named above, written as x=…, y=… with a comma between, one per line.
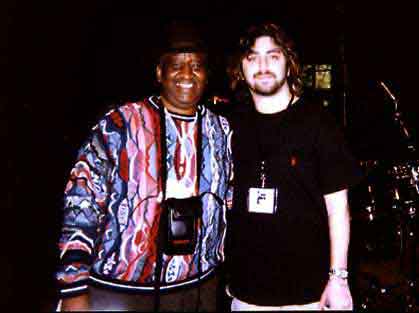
x=407, y=206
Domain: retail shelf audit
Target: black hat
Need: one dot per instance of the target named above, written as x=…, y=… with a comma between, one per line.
x=182, y=36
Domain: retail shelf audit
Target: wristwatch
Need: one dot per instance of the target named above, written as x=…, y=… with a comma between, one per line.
x=338, y=272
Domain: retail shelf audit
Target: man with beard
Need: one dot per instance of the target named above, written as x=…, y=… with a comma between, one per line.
x=144, y=208
x=289, y=226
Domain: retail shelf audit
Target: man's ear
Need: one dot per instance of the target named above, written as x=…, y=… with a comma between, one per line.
x=240, y=75
x=158, y=73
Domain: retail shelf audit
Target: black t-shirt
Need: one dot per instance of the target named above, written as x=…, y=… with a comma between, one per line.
x=283, y=258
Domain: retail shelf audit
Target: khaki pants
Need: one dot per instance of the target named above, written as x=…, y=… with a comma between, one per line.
x=237, y=305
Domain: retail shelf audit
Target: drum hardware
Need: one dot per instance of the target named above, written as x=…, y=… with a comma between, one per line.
x=376, y=294
x=405, y=200
x=371, y=209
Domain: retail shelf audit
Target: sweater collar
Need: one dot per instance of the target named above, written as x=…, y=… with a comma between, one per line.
x=157, y=104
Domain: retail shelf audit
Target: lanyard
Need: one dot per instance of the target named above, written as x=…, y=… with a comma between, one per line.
x=264, y=155
x=163, y=175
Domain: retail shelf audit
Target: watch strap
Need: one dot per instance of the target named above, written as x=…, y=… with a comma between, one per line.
x=338, y=272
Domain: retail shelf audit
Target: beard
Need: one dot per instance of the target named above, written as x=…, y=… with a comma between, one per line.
x=267, y=89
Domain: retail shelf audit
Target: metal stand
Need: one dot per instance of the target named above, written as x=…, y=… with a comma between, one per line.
x=405, y=189
x=407, y=209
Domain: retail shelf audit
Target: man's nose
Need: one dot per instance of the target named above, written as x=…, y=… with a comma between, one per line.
x=187, y=71
x=263, y=63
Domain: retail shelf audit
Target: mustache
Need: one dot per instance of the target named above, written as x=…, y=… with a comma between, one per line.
x=264, y=73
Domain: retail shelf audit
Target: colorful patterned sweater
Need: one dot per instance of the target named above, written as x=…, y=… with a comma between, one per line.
x=112, y=203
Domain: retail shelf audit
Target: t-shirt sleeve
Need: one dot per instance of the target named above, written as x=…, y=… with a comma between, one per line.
x=338, y=168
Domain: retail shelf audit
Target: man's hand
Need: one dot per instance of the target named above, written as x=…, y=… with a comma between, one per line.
x=79, y=303
x=336, y=295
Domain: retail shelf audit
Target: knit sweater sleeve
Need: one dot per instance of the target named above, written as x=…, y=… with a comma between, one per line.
x=85, y=200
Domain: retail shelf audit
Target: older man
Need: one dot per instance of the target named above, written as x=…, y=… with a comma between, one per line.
x=144, y=216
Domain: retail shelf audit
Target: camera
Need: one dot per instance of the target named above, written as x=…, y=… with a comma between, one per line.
x=179, y=225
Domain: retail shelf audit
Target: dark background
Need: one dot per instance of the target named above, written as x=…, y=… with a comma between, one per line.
x=65, y=62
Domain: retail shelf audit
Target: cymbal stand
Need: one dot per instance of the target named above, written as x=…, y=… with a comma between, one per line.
x=406, y=201
x=405, y=188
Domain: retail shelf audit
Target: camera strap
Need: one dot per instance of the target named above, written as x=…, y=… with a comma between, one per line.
x=163, y=176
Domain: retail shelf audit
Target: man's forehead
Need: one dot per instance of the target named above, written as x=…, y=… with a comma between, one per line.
x=265, y=44
x=185, y=55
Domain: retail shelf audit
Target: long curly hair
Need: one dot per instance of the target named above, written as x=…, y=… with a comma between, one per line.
x=234, y=68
